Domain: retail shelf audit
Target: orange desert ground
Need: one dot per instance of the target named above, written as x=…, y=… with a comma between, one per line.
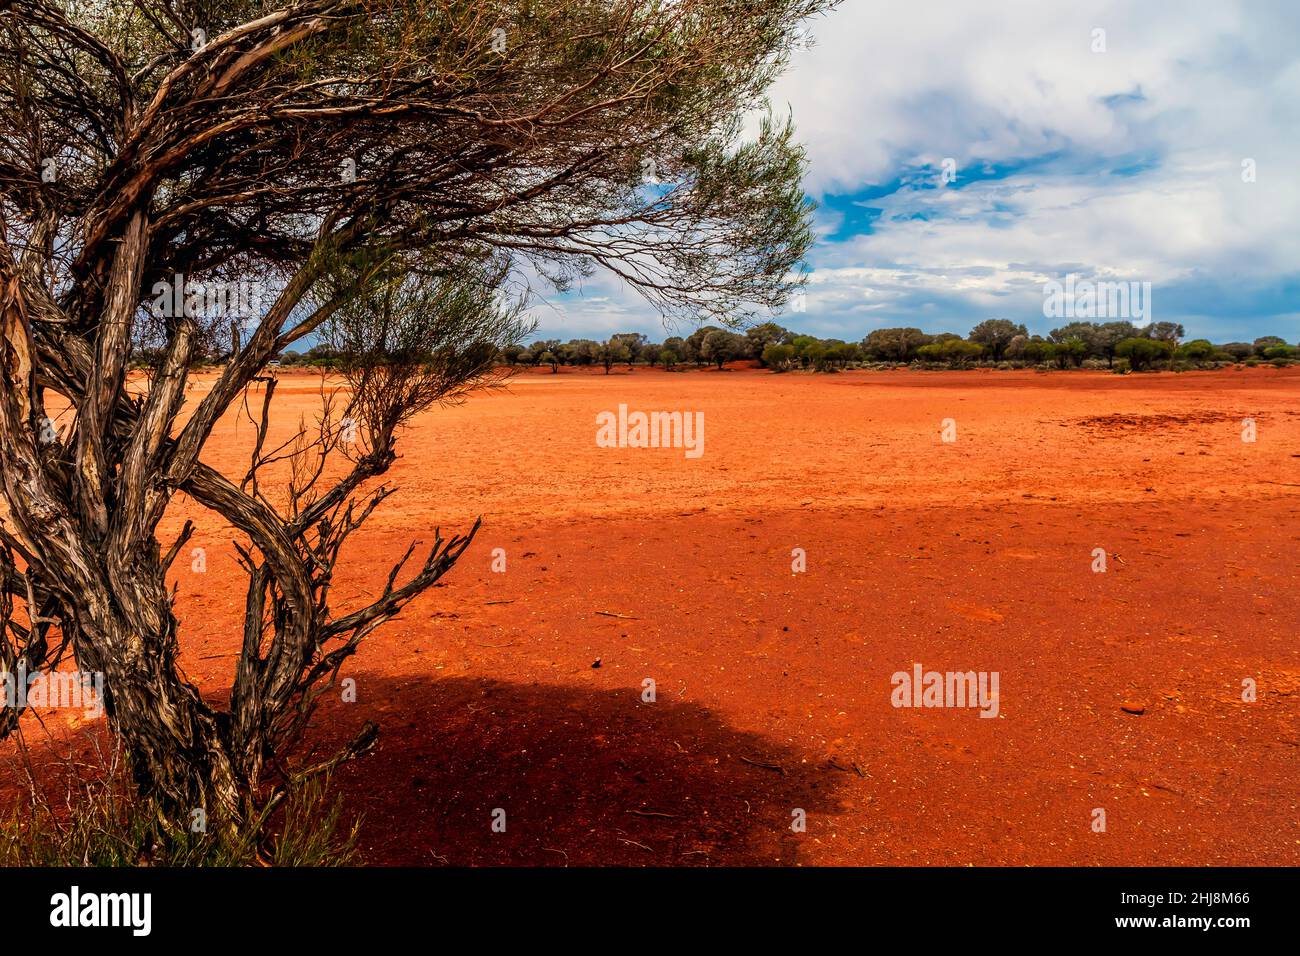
x=524, y=690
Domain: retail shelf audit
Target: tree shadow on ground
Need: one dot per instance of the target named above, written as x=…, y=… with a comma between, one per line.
x=585, y=777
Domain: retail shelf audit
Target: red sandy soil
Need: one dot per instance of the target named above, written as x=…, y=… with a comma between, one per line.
x=774, y=687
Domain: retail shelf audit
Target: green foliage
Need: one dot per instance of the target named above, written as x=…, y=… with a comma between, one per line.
x=996, y=335
x=1070, y=352
x=629, y=346
x=1266, y=342
x=720, y=347
x=1142, y=353
x=842, y=353
x=1169, y=332
x=765, y=334
x=894, y=345
x=778, y=357
x=957, y=352
x=694, y=344
x=615, y=350
x=1197, y=350
x=809, y=350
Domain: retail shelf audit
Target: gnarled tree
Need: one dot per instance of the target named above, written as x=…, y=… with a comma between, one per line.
x=347, y=158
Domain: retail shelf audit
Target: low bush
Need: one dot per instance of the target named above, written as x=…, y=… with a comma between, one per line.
x=101, y=822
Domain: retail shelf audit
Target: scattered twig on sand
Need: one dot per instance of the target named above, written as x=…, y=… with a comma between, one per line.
x=765, y=766
x=506, y=644
x=653, y=813
x=1167, y=789
x=488, y=603
x=625, y=617
x=634, y=843
x=561, y=852
x=853, y=769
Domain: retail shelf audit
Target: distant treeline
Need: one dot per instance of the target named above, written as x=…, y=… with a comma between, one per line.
x=995, y=342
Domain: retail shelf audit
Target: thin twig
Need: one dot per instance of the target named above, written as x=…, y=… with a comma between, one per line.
x=765, y=766
x=561, y=852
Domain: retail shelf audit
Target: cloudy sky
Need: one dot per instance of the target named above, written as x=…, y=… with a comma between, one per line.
x=1122, y=164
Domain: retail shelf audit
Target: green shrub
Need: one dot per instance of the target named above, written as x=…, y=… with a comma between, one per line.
x=1197, y=350
x=778, y=356
x=1143, y=352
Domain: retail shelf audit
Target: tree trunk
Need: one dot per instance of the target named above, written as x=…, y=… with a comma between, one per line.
x=179, y=748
